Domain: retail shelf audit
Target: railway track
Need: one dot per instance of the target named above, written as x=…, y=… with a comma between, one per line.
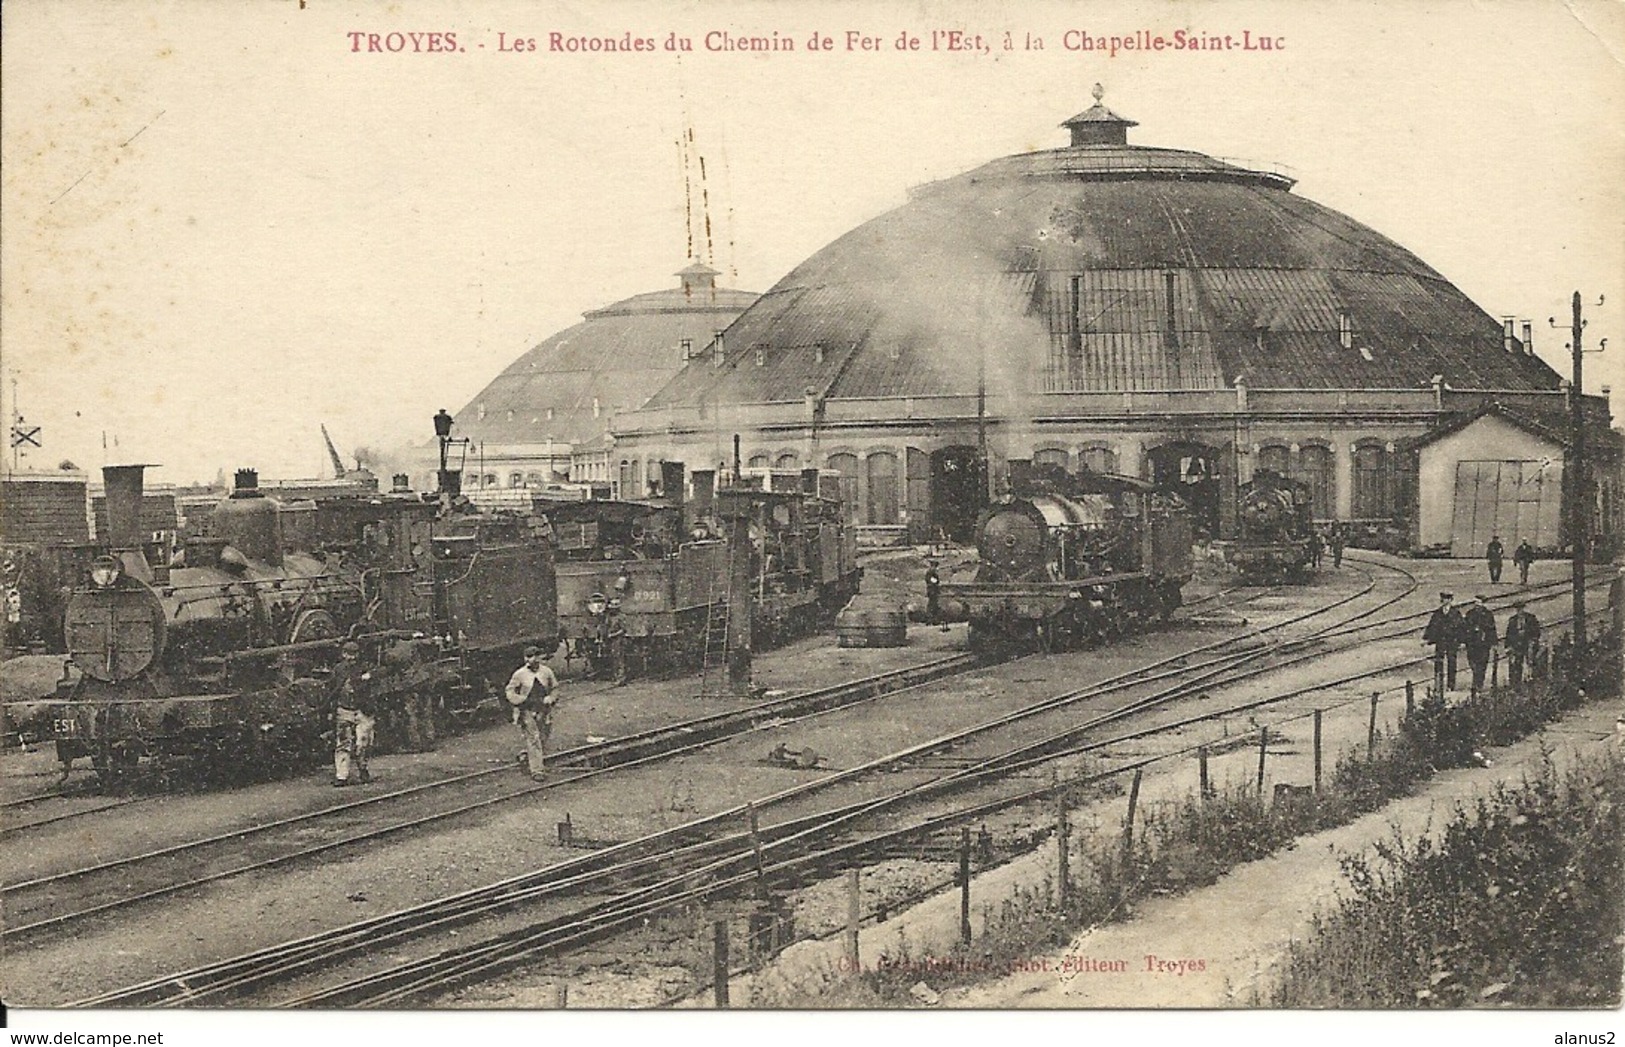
x=33, y=906
x=605, y=876
x=49, y=903
x=584, y=874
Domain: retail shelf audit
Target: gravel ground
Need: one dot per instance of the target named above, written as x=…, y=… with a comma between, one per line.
x=1237, y=934
x=232, y=918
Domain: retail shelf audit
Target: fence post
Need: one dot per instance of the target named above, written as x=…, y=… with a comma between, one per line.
x=1317, y=752
x=964, y=885
x=719, y=962
x=1410, y=698
x=853, y=917
x=1495, y=668
x=1263, y=748
x=1063, y=833
x=1201, y=770
x=1128, y=822
x=1371, y=729
x=755, y=839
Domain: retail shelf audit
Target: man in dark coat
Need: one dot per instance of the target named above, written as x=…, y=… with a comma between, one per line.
x=1336, y=544
x=1479, y=637
x=1522, y=638
x=1523, y=556
x=1495, y=554
x=933, y=592
x=1444, y=631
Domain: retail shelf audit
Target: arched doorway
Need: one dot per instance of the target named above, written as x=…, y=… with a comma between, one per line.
x=1372, y=498
x=958, y=492
x=847, y=466
x=883, y=488
x=1193, y=470
x=1315, y=469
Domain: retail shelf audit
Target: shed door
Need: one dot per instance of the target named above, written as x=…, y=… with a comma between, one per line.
x=1515, y=500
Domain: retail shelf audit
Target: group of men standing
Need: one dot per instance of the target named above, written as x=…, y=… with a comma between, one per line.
x=1476, y=632
x=1332, y=542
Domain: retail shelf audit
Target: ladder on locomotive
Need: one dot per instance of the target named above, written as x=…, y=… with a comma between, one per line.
x=714, y=656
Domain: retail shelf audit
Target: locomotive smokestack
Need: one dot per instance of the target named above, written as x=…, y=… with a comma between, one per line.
x=246, y=484
x=1021, y=477
x=809, y=481
x=671, y=482
x=124, y=490
x=705, y=486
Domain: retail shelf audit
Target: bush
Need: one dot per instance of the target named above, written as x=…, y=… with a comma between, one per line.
x=1519, y=902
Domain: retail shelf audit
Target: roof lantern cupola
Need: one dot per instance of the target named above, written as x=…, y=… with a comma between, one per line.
x=698, y=277
x=1098, y=125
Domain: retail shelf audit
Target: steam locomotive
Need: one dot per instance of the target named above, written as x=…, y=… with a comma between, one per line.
x=653, y=576
x=1275, y=535
x=223, y=653
x=1063, y=569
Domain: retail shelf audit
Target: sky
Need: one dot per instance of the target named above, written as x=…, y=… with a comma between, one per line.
x=228, y=224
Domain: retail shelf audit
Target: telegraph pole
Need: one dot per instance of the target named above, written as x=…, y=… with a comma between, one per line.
x=1580, y=515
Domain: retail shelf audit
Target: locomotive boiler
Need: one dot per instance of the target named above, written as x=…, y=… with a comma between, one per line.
x=1064, y=570
x=1275, y=532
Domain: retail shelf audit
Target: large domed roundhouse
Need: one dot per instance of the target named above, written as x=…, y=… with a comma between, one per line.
x=1143, y=310
x=546, y=417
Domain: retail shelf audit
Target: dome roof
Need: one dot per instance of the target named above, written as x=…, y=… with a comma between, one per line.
x=566, y=388
x=1107, y=267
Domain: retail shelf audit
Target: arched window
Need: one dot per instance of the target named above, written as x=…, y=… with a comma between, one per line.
x=1275, y=458
x=883, y=489
x=1373, y=486
x=516, y=479
x=1050, y=456
x=758, y=461
x=787, y=461
x=626, y=481
x=847, y=466
x=1315, y=469
x=1098, y=459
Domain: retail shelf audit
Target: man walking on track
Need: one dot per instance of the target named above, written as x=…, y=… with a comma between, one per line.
x=354, y=717
x=1495, y=554
x=1480, y=637
x=532, y=693
x=1444, y=631
x=1523, y=556
x=1523, y=636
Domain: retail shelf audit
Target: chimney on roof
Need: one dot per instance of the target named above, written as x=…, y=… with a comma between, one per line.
x=1345, y=329
x=1509, y=334
x=1098, y=125
x=1528, y=338
x=717, y=348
